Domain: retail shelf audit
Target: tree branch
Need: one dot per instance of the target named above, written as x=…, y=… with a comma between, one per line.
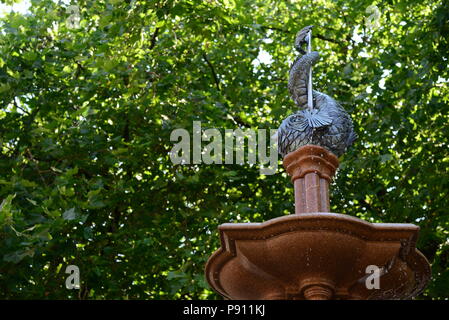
x=17, y=106
x=154, y=38
x=237, y=120
x=212, y=69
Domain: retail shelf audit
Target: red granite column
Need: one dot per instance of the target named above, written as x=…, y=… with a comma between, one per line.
x=311, y=168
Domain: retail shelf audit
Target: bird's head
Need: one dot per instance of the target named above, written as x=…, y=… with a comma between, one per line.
x=302, y=38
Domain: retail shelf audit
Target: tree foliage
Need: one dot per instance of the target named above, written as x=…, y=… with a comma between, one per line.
x=87, y=112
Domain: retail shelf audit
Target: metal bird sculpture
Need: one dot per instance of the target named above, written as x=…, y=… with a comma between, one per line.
x=320, y=120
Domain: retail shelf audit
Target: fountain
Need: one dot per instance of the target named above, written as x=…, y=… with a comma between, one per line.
x=314, y=254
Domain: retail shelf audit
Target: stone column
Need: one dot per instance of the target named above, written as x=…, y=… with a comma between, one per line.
x=311, y=168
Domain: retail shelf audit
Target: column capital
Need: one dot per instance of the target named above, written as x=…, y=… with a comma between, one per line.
x=311, y=159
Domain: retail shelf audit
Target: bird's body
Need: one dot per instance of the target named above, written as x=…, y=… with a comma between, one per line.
x=327, y=124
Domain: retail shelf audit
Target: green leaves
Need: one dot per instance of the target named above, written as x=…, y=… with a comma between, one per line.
x=18, y=256
x=6, y=216
x=69, y=214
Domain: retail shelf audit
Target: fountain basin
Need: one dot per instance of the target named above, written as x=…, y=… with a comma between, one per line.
x=317, y=256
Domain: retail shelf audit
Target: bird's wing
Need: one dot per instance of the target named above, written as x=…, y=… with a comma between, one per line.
x=312, y=119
